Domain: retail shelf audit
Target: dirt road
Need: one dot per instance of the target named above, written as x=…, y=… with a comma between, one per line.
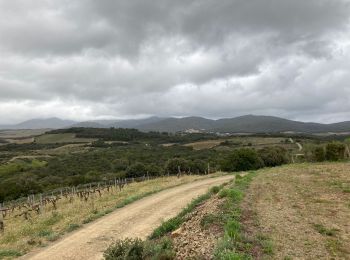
x=300, y=147
x=138, y=219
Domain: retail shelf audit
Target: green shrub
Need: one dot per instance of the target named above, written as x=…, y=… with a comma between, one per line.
x=319, y=154
x=215, y=189
x=125, y=249
x=198, y=166
x=136, y=249
x=72, y=227
x=273, y=156
x=242, y=160
x=153, y=170
x=136, y=170
x=120, y=165
x=162, y=249
x=174, y=165
x=335, y=151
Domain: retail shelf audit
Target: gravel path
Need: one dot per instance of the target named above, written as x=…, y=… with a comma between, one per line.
x=138, y=219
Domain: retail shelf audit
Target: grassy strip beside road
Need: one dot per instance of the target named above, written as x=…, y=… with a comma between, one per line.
x=174, y=223
x=235, y=243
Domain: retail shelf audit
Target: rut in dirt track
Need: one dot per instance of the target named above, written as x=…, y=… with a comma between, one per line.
x=138, y=219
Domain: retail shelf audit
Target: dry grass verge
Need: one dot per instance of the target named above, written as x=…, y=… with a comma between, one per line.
x=304, y=208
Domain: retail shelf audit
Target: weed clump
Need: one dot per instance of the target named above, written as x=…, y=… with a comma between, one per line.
x=215, y=189
x=137, y=249
x=234, y=194
x=325, y=231
x=9, y=253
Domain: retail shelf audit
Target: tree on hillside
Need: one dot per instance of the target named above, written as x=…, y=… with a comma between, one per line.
x=273, y=156
x=136, y=170
x=198, y=166
x=319, y=154
x=173, y=166
x=335, y=151
x=242, y=160
x=120, y=165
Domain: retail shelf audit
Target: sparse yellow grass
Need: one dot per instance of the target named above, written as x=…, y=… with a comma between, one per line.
x=257, y=141
x=23, y=235
x=240, y=141
x=21, y=140
x=13, y=134
x=204, y=144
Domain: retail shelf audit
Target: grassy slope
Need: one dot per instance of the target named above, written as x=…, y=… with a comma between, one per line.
x=304, y=208
x=21, y=236
x=299, y=211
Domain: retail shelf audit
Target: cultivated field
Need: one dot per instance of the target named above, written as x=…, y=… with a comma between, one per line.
x=20, y=136
x=240, y=141
x=305, y=209
x=21, y=234
x=61, y=138
x=204, y=144
x=10, y=134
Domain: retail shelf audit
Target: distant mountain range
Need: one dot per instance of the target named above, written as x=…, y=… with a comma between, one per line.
x=53, y=123
x=242, y=124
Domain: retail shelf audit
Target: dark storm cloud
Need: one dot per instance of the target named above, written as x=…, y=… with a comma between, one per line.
x=195, y=57
x=122, y=27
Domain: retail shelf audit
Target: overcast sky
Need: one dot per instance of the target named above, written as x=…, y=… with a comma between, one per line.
x=88, y=59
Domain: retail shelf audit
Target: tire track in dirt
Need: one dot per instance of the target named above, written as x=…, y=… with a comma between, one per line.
x=138, y=219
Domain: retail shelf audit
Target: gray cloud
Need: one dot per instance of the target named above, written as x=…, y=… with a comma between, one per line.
x=101, y=59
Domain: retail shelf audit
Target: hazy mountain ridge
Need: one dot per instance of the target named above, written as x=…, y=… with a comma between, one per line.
x=53, y=122
x=242, y=124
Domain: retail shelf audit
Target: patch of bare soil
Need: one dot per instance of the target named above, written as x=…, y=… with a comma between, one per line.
x=192, y=240
x=304, y=208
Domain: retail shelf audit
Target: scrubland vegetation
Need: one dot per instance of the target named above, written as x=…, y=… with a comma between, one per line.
x=126, y=153
x=56, y=162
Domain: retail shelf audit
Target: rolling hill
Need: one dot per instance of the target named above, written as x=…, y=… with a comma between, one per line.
x=53, y=123
x=242, y=124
